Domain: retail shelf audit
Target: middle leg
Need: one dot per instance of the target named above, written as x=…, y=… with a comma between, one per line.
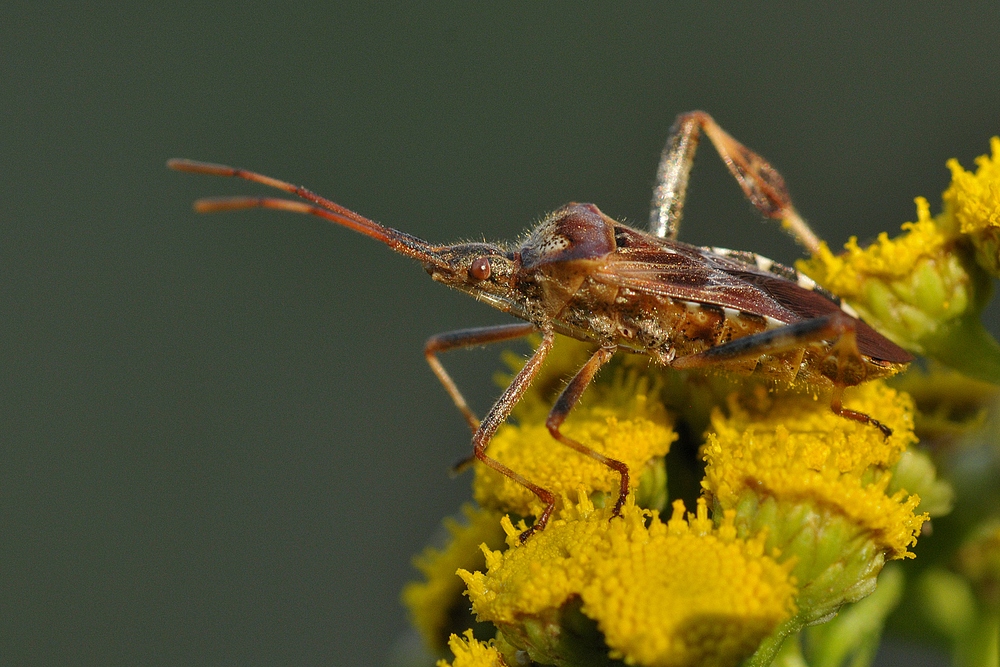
x=567, y=400
x=499, y=413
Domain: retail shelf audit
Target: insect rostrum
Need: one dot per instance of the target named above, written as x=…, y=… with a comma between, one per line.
x=585, y=275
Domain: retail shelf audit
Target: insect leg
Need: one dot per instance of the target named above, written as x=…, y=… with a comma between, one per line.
x=836, y=327
x=788, y=337
x=567, y=400
x=760, y=182
x=468, y=338
x=498, y=415
x=667, y=207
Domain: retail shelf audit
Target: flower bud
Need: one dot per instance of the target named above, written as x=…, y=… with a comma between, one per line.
x=979, y=561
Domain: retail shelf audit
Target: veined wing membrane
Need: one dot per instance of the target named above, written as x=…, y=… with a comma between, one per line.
x=675, y=276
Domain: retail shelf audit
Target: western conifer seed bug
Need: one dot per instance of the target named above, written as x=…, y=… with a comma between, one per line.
x=585, y=275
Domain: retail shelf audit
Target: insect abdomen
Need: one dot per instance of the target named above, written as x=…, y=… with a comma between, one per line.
x=667, y=328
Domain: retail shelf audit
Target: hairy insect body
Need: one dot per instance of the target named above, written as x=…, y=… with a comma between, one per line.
x=603, y=281
x=588, y=276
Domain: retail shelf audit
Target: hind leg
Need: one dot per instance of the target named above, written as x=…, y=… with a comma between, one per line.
x=760, y=182
x=567, y=401
x=843, y=364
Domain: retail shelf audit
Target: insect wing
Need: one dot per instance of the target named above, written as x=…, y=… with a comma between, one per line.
x=671, y=269
x=807, y=300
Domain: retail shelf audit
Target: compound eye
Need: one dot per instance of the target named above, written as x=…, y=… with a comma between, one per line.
x=480, y=269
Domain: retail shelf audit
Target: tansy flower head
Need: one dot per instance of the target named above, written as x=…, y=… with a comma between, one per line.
x=974, y=202
x=674, y=593
x=818, y=484
x=921, y=288
x=435, y=604
x=909, y=285
x=470, y=652
x=618, y=417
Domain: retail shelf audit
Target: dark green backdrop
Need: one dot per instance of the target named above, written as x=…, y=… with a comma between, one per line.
x=219, y=441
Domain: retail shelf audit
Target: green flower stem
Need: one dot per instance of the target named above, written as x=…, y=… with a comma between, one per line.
x=790, y=654
x=968, y=347
x=852, y=637
x=776, y=650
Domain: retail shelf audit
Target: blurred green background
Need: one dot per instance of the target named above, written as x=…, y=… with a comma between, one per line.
x=220, y=444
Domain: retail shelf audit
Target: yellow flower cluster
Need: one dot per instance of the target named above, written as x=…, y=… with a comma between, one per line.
x=802, y=521
x=432, y=602
x=635, y=439
x=800, y=507
x=676, y=593
x=470, y=652
x=923, y=289
x=802, y=451
x=974, y=201
x=886, y=258
x=976, y=197
x=619, y=418
x=818, y=484
x=910, y=285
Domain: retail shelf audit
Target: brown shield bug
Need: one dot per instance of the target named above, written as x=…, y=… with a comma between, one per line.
x=585, y=275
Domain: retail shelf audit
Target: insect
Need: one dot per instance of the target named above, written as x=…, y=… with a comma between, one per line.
x=585, y=275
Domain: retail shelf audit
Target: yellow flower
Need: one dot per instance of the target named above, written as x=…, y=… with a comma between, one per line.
x=674, y=593
x=618, y=416
x=470, y=652
x=799, y=447
x=922, y=289
x=909, y=285
x=974, y=201
x=433, y=603
x=817, y=483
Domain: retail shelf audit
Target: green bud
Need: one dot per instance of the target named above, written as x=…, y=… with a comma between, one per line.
x=947, y=602
x=915, y=473
x=853, y=636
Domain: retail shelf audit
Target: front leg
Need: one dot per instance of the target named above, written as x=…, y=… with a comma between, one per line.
x=761, y=183
x=468, y=338
x=498, y=415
